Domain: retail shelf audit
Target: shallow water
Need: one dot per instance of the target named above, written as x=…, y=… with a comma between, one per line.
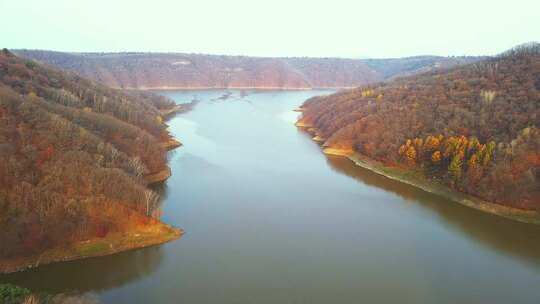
x=270, y=219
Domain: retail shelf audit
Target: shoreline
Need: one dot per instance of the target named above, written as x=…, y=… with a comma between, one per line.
x=171, y=144
x=153, y=234
x=410, y=178
x=168, y=113
x=158, y=177
x=181, y=88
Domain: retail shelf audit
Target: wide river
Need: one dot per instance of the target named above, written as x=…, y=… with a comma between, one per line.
x=270, y=219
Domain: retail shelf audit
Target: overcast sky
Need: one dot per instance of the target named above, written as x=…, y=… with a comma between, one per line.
x=315, y=28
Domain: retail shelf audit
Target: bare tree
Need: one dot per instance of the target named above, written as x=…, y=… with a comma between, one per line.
x=151, y=198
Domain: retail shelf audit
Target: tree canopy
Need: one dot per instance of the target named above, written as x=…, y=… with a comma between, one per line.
x=474, y=127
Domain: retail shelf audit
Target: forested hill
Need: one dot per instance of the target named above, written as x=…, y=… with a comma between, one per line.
x=73, y=154
x=474, y=128
x=176, y=70
x=390, y=68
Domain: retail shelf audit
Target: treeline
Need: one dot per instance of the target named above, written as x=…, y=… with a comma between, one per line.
x=474, y=127
x=73, y=154
x=177, y=70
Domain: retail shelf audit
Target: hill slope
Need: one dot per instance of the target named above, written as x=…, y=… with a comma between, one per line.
x=176, y=70
x=474, y=128
x=73, y=156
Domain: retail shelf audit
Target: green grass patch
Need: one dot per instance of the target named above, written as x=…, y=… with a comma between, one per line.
x=11, y=294
x=93, y=248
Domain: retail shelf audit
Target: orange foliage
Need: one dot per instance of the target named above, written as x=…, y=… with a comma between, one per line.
x=448, y=103
x=67, y=173
x=436, y=157
x=411, y=155
x=45, y=155
x=534, y=159
x=432, y=143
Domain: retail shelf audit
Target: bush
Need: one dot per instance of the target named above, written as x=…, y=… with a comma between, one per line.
x=11, y=294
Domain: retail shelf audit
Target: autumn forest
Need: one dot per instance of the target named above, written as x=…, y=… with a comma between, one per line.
x=474, y=128
x=74, y=155
x=289, y=162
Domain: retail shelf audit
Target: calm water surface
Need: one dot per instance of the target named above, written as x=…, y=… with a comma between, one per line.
x=270, y=219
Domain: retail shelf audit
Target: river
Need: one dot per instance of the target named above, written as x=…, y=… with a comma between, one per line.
x=270, y=219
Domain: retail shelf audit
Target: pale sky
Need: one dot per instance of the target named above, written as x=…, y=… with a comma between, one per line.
x=314, y=28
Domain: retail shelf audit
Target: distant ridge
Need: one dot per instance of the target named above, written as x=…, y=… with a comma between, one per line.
x=134, y=70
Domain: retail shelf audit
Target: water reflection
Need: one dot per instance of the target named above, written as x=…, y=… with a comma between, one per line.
x=506, y=236
x=270, y=219
x=93, y=274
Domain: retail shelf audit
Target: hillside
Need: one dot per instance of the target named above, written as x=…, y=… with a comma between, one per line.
x=73, y=159
x=473, y=128
x=176, y=70
x=391, y=68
